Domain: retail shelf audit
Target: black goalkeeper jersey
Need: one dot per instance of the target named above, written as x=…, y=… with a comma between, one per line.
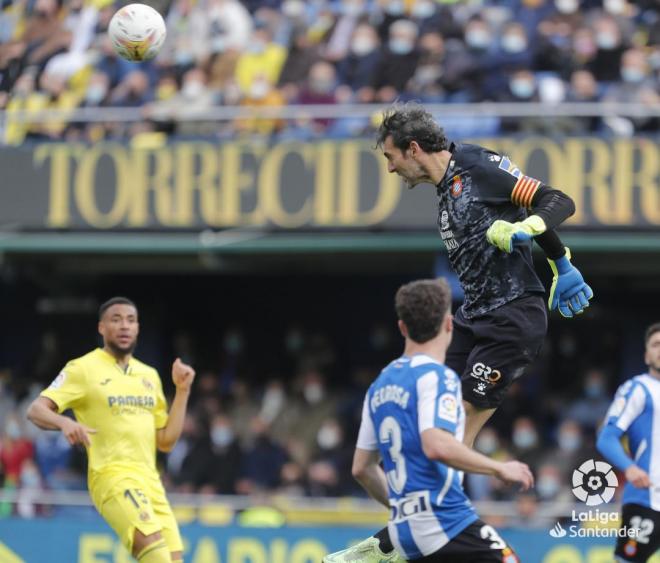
x=479, y=187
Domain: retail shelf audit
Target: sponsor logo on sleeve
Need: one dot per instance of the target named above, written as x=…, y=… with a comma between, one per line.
x=448, y=407
x=58, y=381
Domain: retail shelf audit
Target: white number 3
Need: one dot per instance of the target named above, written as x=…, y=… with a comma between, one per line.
x=489, y=533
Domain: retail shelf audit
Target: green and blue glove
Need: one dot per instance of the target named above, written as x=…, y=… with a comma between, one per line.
x=505, y=235
x=569, y=293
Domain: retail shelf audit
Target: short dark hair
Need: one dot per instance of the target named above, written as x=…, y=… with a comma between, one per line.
x=411, y=122
x=115, y=301
x=655, y=327
x=422, y=305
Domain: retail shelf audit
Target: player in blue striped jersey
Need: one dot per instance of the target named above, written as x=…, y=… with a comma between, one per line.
x=635, y=412
x=413, y=419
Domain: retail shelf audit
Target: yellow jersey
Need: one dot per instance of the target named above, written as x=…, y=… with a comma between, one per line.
x=124, y=407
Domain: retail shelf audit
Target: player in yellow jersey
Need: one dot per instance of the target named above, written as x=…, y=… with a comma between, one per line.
x=121, y=418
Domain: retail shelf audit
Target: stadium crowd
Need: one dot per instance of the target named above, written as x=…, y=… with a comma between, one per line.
x=291, y=430
x=56, y=54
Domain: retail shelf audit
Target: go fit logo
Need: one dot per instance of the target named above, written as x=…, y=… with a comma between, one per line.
x=594, y=483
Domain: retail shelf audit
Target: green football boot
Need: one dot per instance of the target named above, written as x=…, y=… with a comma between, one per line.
x=367, y=551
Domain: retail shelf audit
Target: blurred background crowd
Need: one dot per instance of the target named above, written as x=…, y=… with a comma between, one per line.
x=55, y=54
x=276, y=404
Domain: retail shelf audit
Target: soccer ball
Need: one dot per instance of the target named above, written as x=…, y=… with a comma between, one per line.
x=137, y=32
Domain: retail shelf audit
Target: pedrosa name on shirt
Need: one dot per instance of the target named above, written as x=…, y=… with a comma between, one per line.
x=390, y=393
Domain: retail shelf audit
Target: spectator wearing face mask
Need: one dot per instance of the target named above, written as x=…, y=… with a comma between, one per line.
x=521, y=87
x=525, y=441
x=311, y=404
x=610, y=48
x=262, y=58
x=572, y=448
x=261, y=93
x=221, y=473
x=320, y=88
x=637, y=87
x=551, y=484
x=512, y=51
x=589, y=410
x=329, y=472
x=398, y=62
x=356, y=70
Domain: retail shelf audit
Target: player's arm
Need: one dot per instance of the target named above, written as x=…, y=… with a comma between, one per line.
x=368, y=472
x=438, y=409
x=183, y=376
x=549, y=208
x=42, y=412
x=627, y=405
x=366, y=461
x=66, y=391
x=440, y=445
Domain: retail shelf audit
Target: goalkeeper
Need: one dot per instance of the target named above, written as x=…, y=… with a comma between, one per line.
x=488, y=213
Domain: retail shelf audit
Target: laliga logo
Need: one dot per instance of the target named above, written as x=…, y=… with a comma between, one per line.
x=594, y=482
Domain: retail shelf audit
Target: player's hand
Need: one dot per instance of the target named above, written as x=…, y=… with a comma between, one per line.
x=569, y=293
x=76, y=433
x=637, y=477
x=182, y=375
x=516, y=472
x=505, y=235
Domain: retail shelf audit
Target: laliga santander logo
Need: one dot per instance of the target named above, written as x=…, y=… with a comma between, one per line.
x=594, y=482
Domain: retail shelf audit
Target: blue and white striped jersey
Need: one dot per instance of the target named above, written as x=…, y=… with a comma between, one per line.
x=428, y=506
x=636, y=412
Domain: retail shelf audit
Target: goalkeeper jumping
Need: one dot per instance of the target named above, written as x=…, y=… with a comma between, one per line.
x=488, y=214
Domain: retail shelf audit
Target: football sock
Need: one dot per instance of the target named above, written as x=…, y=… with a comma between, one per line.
x=385, y=542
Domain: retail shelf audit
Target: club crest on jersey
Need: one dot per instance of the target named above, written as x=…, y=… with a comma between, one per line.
x=147, y=384
x=456, y=186
x=630, y=549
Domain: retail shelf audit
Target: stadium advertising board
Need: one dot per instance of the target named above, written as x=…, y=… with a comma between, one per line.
x=91, y=541
x=339, y=184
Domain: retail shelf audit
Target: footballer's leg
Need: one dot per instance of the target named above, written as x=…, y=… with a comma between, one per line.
x=151, y=548
x=507, y=340
x=367, y=551
x=163, y=512
x=129, y=512
x=646, y=542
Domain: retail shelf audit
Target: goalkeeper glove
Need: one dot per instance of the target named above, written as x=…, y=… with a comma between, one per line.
x=504, y=235
x=569, y=292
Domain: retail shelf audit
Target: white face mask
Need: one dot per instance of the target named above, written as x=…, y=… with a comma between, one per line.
x=13, y=430
x=514, y=43
x=293, y=8
x=192, y=89
x=328, y=437
x=395, y=7
x=400, y=46
x=423, y=9
x=362, y=45
x=478, y=38
x=567, y=6
x=632, y=74
x=313, y=393
x=222, y=436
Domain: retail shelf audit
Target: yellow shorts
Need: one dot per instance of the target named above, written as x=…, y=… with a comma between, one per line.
x=130, y=502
